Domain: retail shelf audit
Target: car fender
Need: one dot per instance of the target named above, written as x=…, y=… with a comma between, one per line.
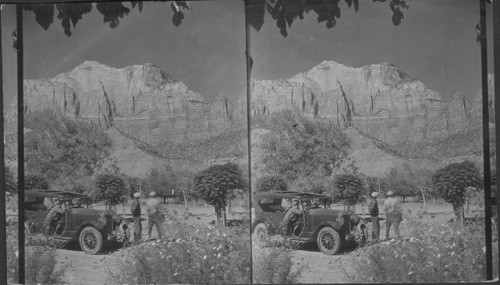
x=332, y=224
x=94, y=224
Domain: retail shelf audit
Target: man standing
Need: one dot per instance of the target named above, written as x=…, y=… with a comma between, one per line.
x=155, y=216
x=393, y=214
x=290, y=218
x=52, y=219
x=373, y=210
x=135, y=210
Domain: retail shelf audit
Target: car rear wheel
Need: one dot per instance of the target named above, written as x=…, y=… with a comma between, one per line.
x=260, y=234
x=91, y=240
x=328, y=241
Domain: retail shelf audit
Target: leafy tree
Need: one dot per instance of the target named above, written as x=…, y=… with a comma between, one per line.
x=284, y=12
x=299, y=147
x=186, y=186
x=163, y=182
x=109, y=188
x=35, y=181
x=216, y=183
x=452, y=182
x=401, y=182
x=10, y=181
x=271, y=183
x=57, y=146
x=349, y=188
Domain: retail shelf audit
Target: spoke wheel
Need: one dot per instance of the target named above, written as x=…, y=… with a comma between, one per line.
x=91, y=240
x=260, y=234
x=328, y=241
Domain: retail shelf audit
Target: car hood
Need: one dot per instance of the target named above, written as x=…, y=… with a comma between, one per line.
x=86, y=211
x=324, y=212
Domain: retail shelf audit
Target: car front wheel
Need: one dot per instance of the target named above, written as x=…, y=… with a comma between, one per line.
x=260, y=234
x=328, y=241
x=91, y=240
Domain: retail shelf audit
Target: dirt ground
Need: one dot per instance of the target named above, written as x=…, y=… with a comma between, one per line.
x=317, y=268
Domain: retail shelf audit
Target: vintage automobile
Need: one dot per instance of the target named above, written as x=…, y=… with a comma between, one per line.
x=89, y=226
x=330, y=229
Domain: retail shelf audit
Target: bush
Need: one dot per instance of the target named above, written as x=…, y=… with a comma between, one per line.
x=192, y=254
x=273, y=265
x=40, y=266
x=109, y=188
x=271, y=183
x=437, y=254
x=40, y=260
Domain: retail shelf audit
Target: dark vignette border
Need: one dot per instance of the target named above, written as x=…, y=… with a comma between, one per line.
x=20, y=127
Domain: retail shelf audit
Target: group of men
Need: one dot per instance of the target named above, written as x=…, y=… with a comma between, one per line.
x=393, y=215
x=155, y=216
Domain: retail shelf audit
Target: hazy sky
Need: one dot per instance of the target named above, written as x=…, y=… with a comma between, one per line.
x=206, y=52
x=435, y=43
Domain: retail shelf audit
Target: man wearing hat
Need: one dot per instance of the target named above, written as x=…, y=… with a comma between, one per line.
x=135, y=210
x=291, y=217
x=155, y=216
x=373, y=210
x=393, y=214
x=54, y=217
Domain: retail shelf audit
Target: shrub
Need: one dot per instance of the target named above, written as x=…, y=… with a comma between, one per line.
x=437, y=254
x=35, y=181
x=40, y=260
x=109, y=188
x=349, y=188
x=274, y=265
x=452, y=183
x=271, y=183
x=217, y=183
x=40, y=266
x=192, y=254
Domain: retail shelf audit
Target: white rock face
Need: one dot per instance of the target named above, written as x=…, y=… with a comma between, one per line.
x=140, y=100
x=377, y=99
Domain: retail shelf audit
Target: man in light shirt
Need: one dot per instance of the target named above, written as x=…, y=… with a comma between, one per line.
x=393, y=215
x=155, y=216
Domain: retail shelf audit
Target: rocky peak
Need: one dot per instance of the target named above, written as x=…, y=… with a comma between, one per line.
x=140, y=100
x=378, y=99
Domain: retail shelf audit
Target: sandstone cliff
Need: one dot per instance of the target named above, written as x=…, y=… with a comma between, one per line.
x=140, y=100
x=379, y=100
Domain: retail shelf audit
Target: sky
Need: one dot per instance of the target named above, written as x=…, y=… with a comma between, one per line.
x=206, y=52
x=435, y=43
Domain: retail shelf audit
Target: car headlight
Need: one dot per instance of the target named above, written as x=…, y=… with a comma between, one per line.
x=102, y=220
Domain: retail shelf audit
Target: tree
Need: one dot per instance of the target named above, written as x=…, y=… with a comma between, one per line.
x=35, y=181
x=163, y=182
x=401, y=182
x=284, y=12
x=216, y=184
x=452, y=182
x=300, y=147
x=349, y=189
x=186, y=186
x=271, y=183
x=58, y=147
x=109, y=188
